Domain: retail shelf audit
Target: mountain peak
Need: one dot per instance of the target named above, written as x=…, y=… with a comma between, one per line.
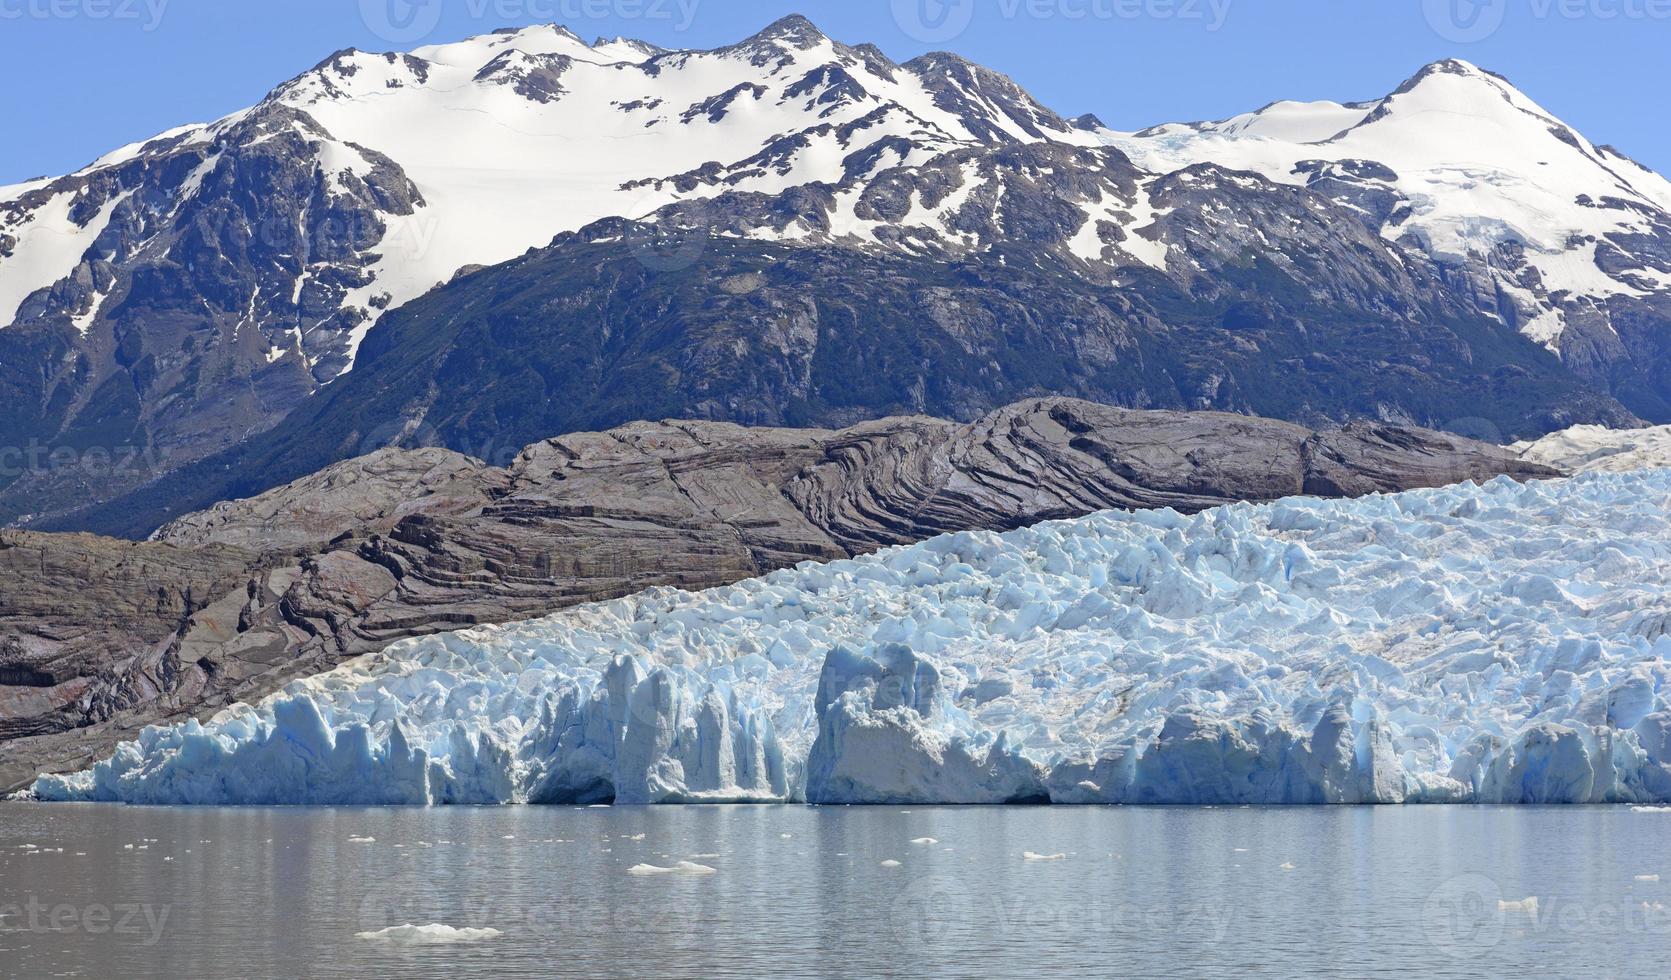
x=1454, y=85
x=793, y=29
x=1451, y=67
x=557, y=29
x=628, y=43
x=792, y=25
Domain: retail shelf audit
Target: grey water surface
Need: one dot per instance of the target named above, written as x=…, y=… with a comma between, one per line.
x=106, y=891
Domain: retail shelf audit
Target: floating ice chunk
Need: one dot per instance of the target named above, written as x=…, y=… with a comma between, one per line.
x=1031, y=856
x=1650, y=878
x=925, y=841
x=891, y=863
x=362, y=840
x=706, y=857
x=1651, y=809
x=682, y=868
x=430, y=935
x=1288, y=866
x=1527, y=905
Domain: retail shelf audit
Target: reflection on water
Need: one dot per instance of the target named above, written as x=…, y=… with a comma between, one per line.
x=102, y=891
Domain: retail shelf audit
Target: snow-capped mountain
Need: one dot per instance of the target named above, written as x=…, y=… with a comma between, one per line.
x=1567, y=241
x=224, y=271
x=469, y=154
x=186, y=294
x=1563, y=240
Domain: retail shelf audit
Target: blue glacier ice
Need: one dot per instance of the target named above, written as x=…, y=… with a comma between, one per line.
x=1500, y=643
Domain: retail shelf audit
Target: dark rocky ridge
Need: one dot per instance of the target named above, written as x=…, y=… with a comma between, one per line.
x=99, y=637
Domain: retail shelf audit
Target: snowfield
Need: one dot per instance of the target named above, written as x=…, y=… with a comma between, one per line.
x=1591, y=448
x=1504, y=644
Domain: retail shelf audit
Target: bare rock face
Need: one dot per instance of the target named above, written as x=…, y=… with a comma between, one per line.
x=370, y=491
x=88, y=627
x=99, y=637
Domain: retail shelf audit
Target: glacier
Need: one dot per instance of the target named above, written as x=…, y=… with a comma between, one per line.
x=1504, y=643
x=1589, y=448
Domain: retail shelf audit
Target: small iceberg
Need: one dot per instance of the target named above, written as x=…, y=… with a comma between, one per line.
x=924, y=841
x=1526, y=905
x=682, y=868
x=1031, y=856
x=430, y=935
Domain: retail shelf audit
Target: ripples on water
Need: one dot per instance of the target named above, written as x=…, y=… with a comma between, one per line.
x=1406, y=892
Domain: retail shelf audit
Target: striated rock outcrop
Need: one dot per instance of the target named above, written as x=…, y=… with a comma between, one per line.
x=99, y=636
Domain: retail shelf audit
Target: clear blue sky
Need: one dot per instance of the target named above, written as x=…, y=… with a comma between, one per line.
x=86, y=76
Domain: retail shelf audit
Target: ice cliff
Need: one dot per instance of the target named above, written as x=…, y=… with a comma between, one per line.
x=1504, y=643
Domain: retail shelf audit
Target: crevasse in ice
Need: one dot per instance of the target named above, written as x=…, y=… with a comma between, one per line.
x=1504, y=643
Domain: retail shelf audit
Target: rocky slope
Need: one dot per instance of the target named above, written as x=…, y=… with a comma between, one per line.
x=585, y=335
x=231, y=603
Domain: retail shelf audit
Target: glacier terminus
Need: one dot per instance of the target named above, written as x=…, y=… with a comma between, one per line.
x=1504, y=643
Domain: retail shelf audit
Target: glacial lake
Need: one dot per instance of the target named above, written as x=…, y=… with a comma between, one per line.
x=797, y=891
